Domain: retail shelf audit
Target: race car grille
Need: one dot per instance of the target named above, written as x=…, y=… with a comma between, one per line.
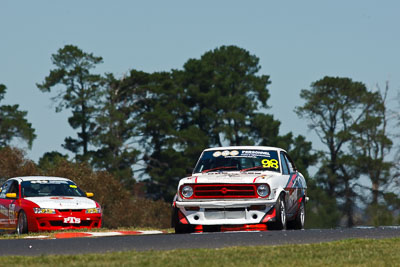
x=62, y=224
x=67, y=212
x=224, y=191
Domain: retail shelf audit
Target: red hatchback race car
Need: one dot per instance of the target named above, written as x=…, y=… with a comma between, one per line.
x=41, y=203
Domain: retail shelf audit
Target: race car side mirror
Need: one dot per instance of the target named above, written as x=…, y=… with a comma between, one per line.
x=89, y=194
x=11, y=195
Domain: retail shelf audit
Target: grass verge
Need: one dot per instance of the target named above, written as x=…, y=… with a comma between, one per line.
x=354, y=252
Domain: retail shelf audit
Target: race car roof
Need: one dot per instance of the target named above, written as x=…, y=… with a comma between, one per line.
x=39, y=178
x=245, y=147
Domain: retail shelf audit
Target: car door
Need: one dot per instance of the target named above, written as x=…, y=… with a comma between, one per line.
x=11, y=204
x=292, y=187
x=286, y=176
x=4, y=202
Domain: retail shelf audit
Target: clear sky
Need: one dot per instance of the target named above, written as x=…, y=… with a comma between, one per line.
x=298, y=42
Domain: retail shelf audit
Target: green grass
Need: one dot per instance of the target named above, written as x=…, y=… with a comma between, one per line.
x=352, y=252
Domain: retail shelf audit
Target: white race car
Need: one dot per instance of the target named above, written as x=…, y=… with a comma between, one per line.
x=241, y=188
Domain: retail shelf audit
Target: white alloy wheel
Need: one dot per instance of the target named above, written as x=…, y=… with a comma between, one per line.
x=22, y=225
x=283, y=213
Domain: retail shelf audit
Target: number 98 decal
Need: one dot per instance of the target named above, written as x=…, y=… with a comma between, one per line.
x=273, y=163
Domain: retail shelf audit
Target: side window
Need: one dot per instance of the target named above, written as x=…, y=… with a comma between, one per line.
x=300, y=182
x=285, y=169
x=4, y=189
x=292, y=168
x=14, y=188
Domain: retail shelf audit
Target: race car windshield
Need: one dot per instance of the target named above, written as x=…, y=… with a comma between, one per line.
x=238, y=160
x=47, y=188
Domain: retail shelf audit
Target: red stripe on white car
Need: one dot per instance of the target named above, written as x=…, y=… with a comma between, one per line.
x=291, y=181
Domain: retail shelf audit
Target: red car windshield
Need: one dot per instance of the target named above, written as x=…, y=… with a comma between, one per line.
x=48, y=188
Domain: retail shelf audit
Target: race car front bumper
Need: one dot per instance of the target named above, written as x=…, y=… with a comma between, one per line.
x=221, y=212
x=73, y=220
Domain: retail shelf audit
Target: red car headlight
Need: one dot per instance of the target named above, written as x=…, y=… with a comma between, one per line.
x=44, y=211
x=93, y=210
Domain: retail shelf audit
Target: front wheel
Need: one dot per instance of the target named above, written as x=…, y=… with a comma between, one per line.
x=183, y=228
x=22, y=225
x=179, y=228
x=280, y=222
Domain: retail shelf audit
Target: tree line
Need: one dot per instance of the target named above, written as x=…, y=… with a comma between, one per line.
x=148, y=129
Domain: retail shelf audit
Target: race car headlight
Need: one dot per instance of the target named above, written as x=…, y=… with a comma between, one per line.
x=44, y=211
x=187, y=191
x=94, y=210
x=263, y=190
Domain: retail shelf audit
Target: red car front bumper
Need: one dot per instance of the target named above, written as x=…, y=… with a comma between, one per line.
x=63, y=220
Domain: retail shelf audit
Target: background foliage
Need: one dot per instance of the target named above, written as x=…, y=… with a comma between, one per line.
x=137, y=135
x=120, y=207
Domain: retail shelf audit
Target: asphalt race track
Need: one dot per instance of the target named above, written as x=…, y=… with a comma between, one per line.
x=186, y=241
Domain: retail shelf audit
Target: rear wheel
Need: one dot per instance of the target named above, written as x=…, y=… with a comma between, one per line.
x=280, y=222
x=22, y=225
x=300, y=219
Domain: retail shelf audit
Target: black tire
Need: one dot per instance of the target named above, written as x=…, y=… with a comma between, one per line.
x=174, y=215
x=281, y=219
x=22, y=225
x=299, y=221
x=179, y=228
x=183, y=228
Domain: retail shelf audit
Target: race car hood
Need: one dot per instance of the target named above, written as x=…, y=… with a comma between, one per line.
x=63, y=202
x=229, y=177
